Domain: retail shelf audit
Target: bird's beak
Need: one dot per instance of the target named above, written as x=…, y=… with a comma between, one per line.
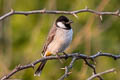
x=69, y=22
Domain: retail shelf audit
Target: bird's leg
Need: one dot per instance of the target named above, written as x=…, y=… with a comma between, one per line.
x=66, y=56
x=59, y=58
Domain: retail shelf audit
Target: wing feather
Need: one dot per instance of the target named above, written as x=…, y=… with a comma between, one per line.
x=49, y=38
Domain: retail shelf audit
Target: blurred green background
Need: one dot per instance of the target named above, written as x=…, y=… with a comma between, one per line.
x=22, y=37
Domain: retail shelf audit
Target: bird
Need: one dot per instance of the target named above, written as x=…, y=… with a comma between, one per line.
x=59, y=38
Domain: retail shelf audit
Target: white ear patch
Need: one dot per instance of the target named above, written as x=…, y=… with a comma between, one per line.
x=60, y=24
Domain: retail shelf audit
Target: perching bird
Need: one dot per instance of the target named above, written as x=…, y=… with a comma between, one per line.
x=59, y=38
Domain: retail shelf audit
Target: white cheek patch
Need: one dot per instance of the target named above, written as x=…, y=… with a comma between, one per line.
x=60, y=24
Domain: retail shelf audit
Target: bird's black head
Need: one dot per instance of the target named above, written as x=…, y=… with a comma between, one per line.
x=63, y=22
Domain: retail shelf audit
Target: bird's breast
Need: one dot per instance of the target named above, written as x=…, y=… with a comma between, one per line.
x=61, y=41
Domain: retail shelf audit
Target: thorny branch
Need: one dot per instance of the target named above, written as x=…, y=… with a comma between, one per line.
x=93, y=67
x=101, y=73
x=74, y=13
x=67, y=69
x=74, y=56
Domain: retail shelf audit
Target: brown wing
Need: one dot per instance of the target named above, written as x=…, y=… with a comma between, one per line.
x=50, y=38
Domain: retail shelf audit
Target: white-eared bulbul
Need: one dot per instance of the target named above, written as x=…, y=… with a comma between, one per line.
x=59, y=38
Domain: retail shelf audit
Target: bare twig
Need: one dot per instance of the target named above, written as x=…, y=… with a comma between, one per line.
x=77, y=55
x=67, y=69
x=43, y=11
x=101, y=73
x=93, y=67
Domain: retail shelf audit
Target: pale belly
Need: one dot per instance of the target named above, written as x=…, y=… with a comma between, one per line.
x=61, y=41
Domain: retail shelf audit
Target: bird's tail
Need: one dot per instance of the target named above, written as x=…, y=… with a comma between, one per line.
x=40, y=68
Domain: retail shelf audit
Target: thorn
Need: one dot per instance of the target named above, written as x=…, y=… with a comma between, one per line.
x=119, y=14
x=42, y=55
x=94, y=66
x=84, y=62
x=99, y=53
x=101, y=18
x=75, y=15
x=86, y=7
x=11, y=10
x=95, y=62
x=69, y=73
x=93, y=73
x=33, y=66
x=63, y=68
x=44, y=8
x=17, y=67
x=43, y=11
x=118, y=11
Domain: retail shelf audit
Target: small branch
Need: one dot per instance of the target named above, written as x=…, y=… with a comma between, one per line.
x=105, y=54
x=67, y=69
x=77, y=55
x=94, y=69
x=43, y=11
x=101, y=73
